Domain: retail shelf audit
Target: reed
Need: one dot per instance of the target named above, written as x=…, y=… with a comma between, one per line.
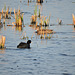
x=2, y=11
x=7, y=13
x=49, y=36
x=73, y=19
x=41, y=29
x=2, y=41
x=4, y=21
x=49, y=19
x=39, y=13
x=33, y=19
x=43, y=34
x=32, y=35
x=46, y=37
x=4, y=7
x=14, y=11
x=35, y=11
x=44, y=21
x=41, y=22
x=20, y=21
x=10, y=11
x=2, y=14
x=0, y=17
x=18, y=18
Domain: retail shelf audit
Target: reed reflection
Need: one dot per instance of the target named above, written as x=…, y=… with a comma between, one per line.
x=2, y=51
x=18, y=28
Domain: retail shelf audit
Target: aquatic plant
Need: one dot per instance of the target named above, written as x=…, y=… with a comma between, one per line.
x=44, y=21
x=5, y=13
x=33, y=19
x=18, y=18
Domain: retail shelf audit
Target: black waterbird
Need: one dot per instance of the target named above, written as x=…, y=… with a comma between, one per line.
x=24, y=45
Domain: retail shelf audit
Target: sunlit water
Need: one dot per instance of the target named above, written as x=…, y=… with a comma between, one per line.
x=55, y=56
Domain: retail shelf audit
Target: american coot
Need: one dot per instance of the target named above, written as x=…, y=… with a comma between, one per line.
x=24, y=45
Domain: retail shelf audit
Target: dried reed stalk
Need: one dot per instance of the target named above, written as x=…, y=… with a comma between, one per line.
x=0, y=41
x=2, y=11
x=33, y=18
x=20, y=21
x=73, y=19
x=14, y=11
x=6, y=14
x=4, y=21
x=41, y=29
x=0, y=17
x=36, y=24
x=10, y=11
x=3, y=41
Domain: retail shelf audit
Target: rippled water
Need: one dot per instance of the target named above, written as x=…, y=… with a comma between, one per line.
x=55, y=56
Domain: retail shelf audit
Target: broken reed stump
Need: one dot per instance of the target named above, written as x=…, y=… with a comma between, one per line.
x=2, y=41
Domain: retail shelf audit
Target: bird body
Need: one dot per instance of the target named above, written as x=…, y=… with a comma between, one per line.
x=24, y=45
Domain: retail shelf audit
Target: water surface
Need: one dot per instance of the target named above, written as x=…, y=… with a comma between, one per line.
x=55, y=56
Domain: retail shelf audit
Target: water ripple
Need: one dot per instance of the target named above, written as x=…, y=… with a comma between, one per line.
x=67, y=55
x=66, y=74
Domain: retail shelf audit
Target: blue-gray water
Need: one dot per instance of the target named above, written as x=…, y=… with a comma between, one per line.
x=55, y=56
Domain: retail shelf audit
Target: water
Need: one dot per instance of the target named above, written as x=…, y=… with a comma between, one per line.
x=55, y=56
